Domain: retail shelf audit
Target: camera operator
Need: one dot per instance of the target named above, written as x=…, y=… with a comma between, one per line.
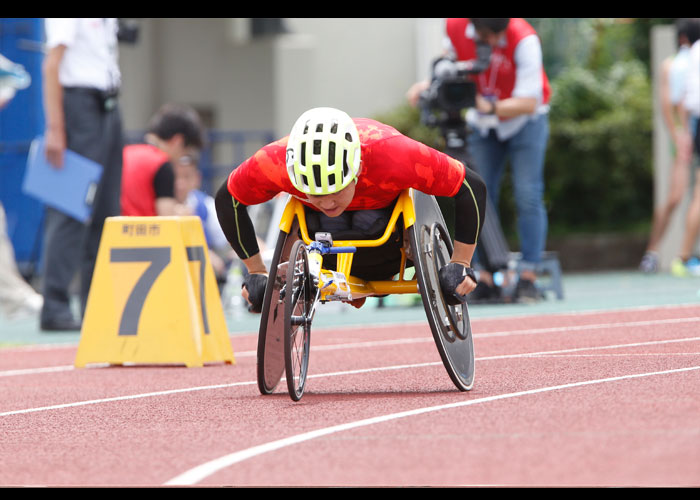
x=509, y=121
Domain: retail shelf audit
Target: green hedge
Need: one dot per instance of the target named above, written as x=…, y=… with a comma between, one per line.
x=599, y=160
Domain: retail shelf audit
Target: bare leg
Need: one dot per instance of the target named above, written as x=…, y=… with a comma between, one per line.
x=692, y=222
x=679, y=184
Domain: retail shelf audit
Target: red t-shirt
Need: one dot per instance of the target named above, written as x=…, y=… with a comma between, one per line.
x=499, y=78
x=141, y=163
x=391, y=163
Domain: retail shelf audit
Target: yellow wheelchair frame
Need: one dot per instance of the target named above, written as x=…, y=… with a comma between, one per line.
x=358, y=288
x=298, y=281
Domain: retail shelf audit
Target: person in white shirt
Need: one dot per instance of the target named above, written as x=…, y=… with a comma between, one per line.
x=81, y=85
x=691, y=103
x=674, y=91
x=691, y=108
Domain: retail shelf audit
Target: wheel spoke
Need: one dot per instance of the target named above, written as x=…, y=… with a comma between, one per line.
x=298, y=305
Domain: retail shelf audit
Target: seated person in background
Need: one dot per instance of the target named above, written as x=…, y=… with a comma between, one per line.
x=148, y=178
x=188, y=193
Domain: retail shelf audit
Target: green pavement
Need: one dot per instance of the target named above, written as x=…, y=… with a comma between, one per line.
x=582, y=292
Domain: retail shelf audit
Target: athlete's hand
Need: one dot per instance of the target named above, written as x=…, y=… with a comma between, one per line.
x=456, y=281
x=253, y=291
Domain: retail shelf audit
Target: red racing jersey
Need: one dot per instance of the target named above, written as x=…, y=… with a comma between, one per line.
x=391, y=163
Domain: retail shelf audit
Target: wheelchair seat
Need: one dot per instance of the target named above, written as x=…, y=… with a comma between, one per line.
x=370, y=263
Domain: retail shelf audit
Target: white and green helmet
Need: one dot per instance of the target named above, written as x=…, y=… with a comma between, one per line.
x=323, y=151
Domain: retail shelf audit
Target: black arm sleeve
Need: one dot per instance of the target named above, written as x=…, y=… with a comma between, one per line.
x=164, y=181
x=236, y=224
x=470, y=207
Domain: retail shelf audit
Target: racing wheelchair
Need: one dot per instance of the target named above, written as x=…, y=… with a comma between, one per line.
x=299, y=281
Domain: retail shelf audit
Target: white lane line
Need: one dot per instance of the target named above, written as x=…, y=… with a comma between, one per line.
x=383, y=343
x=595, y=348
x=34, y=371
x=201, y=472
x=335, y=374
x=598, y=326
x=122, y=398
x=524, y=316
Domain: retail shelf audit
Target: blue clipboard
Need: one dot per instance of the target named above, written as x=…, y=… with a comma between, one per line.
x=70, y=189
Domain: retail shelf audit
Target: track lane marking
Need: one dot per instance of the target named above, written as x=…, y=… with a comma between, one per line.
x=598, y=326
x=123, y=398
x=203, y=471
x=382, y=343
x=381, y=325
x=35, y=371
x=333, y=374
x=358, y=345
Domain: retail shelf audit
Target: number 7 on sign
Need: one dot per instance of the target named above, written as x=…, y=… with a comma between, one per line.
x=159, y=257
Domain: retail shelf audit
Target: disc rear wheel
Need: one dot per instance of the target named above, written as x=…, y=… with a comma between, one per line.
x=431, y=247
x=270, y=353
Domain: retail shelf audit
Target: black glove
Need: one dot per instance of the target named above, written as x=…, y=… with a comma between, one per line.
x=450, y=277
x=255, y=284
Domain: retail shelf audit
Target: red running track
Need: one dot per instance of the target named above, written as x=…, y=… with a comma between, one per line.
x=604, y=399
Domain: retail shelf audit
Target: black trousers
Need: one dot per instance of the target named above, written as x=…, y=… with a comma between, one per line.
x=70, y=246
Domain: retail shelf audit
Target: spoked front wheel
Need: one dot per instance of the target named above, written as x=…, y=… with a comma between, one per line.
x=298, y=306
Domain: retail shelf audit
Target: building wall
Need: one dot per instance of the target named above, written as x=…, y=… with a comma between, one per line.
x=363, y=66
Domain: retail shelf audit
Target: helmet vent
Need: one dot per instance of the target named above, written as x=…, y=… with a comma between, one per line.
x=346, y=167
x=331, y=154
x=323, y=151
x=317, y=176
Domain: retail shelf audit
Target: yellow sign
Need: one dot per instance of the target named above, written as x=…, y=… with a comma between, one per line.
x=153, y=297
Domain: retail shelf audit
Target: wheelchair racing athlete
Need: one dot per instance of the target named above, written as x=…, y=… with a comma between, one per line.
x=348, y=173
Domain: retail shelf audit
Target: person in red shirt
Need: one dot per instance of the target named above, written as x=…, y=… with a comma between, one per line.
x=148, y=178
x=509, y=122
x=348, y=173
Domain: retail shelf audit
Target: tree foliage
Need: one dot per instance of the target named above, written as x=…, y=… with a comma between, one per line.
x=598, y=166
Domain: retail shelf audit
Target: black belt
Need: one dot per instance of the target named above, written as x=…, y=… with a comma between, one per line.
x=108, y=98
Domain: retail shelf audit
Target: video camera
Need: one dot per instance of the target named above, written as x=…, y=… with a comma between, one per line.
x=128, y=31
x=452, y=90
